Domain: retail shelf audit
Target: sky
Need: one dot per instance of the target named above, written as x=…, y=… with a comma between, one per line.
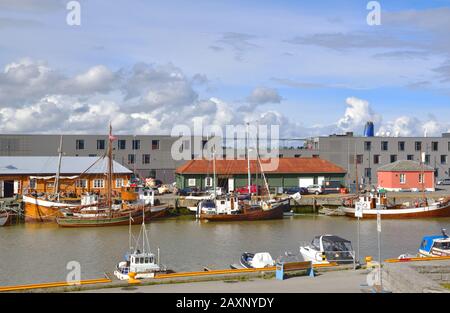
x=312, y=67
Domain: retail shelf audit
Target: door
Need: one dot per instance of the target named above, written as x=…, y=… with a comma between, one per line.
x=305, y=181
x=230, y=184
x=8, y=189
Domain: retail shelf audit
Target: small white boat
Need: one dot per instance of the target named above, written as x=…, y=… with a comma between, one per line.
x=328, y=248
x=143, y=263
x=256, y=260
x=435, y=246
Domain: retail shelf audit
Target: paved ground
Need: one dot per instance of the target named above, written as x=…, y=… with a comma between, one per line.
x=330, y=282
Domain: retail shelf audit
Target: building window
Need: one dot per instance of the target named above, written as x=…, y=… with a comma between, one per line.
x=402, y=178
x=119, y=182
x=297, y=156
x=418, y=145
x=393, y=158
x=443, y=159
x=98, y=183
x=131, y=159
x=410, y=157
x=32, y=183
x=401, y=146
x=436, y=172
x=359, y=159
x=280, y=156
x=146, y=159
x=122, y=144
x=191, y=182
x=101, y=144
x=185, y=145
x=136, y=144
x=368, y=172
x=376, y=159
x=384, y=146
x=449, y=146
x=435, y=146
x=208, y=182
x=427, y=159
x=81, y=183
x=367, y=145
x=79, y=144
x=155, y=144
x=421, y=179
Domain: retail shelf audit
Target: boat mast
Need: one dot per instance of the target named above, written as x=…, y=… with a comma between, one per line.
x=214, y=172
x=248, y=159
x=58, y=173
x=109, y=191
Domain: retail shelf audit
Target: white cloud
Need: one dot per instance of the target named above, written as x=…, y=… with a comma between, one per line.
x=357, y=114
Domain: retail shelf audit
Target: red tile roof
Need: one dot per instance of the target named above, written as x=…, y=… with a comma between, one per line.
x=285, y=166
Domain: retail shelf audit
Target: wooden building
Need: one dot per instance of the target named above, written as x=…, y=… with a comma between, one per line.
x=233, y=174
x=406, y=176
x=22, y=175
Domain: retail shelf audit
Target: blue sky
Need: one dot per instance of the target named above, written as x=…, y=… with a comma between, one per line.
x=314, y=67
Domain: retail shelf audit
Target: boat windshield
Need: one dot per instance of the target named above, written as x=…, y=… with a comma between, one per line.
x=444, y=245
x=336, y=244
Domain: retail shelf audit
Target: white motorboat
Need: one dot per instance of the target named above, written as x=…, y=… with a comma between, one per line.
x=435, y=246
x=256, y=260
x=327, y=249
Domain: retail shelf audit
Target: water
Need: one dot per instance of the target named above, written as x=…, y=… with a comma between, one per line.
x=39, y=253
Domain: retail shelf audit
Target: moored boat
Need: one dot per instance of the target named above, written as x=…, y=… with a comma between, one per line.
x=256, y=260
x=375, y=203
x=4, y=219
x=140, y=260
x=328, y=248
x=435, y=246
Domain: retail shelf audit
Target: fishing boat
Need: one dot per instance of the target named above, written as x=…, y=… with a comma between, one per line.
x=328, y=248
x=140, y=260
x=256, y=260
x=375, y=203
x=145, y=197
x=109, y=213
x=435, y=246
x=233, y=209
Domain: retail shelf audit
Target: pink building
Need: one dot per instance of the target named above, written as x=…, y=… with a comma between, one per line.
x=406, y=175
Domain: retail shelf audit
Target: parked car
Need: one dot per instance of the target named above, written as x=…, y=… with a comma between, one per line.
x=333, y=187
x=443, y=182
x=244, y=190
x=189, y=191
x=294, y=190
x=315, y=189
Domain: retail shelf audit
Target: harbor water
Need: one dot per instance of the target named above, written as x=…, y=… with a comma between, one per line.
x=32, y=253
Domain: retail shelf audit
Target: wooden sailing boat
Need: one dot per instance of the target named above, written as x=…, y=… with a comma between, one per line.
x=240, y=211
x=111, y=214
x=46, y=208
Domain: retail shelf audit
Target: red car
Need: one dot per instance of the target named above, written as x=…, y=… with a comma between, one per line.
x=244, y=190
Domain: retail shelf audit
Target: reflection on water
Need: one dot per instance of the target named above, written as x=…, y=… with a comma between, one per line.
x=39, y=253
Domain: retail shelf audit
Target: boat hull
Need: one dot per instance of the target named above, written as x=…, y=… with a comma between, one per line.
x=42, y=211
x=159, y=211
x=117, y=219
x=5, y=219
x=422, y=212
x=248, y=215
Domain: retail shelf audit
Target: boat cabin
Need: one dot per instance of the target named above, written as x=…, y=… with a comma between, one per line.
x=141, y=262
x=435, y=246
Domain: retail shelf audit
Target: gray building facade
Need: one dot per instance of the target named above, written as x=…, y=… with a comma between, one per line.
x=364, y=155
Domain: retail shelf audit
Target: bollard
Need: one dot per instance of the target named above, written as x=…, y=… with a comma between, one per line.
x=132, y=278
